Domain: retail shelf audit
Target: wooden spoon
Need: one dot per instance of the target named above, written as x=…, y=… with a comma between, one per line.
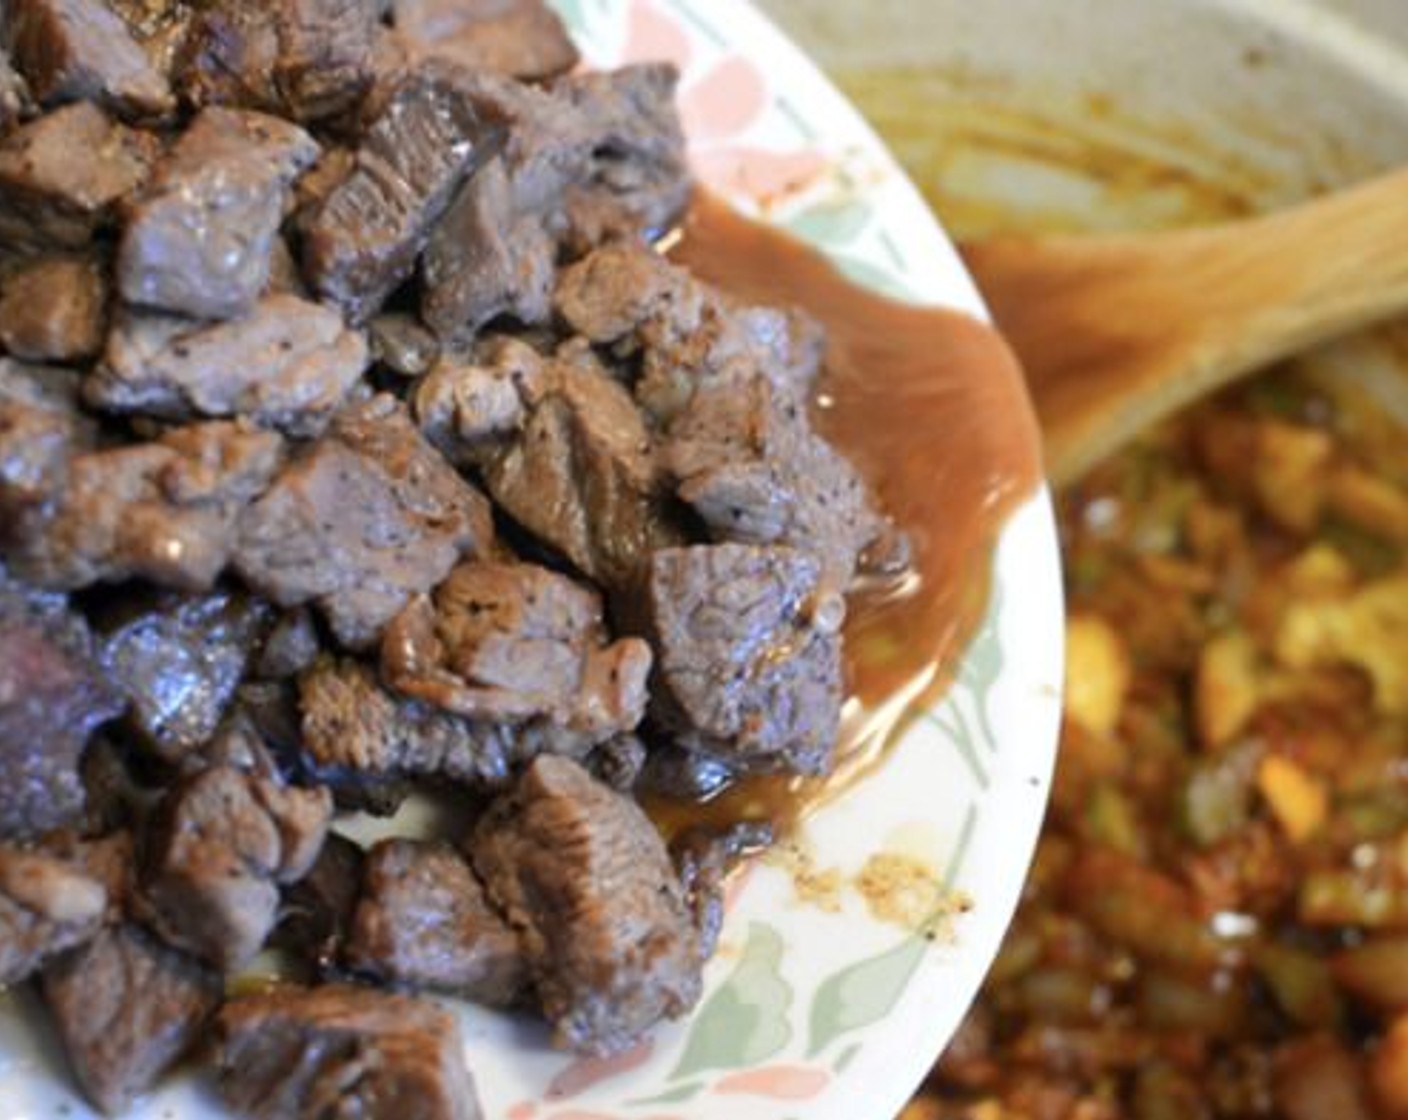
x=1117, y=331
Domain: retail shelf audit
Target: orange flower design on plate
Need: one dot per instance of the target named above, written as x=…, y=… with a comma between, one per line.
x=720, y=102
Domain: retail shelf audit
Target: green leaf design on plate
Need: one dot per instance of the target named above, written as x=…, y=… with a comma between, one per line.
x=862, y=993
x=674, y=1096
x=574, y=15
x=872, y=276
x=745, y=1022
x=950, y=722
x=982, y=664
x=832, y=224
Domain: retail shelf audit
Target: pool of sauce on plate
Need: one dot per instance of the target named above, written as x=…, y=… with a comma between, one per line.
x=929, y=404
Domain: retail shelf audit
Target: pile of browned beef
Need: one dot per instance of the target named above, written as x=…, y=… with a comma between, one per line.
x=353, y=438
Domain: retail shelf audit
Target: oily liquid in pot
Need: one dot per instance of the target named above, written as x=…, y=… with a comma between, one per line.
x=930, y=406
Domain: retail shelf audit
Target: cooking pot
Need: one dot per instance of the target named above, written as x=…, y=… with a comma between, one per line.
x=1106, y=114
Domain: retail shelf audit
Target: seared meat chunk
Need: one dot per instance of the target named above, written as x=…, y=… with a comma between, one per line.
x=513, y=642
x=584, y=878
x=165, y=511
x=52, y=698
x=307, y=1054
x=13, y=94
x=582, y=476
x=748, y=654
x=325, y=55
x=635, y=180
x=745, y=457
x=47, y=905
x=522, y=38
x=179, y=660
x=486, y=259
x=686, y=333
x=40, y=430
x=109, y=860
x=307, y=59
x=368, y=518
x=127, y=1008
x=160, y=27
x=729, y=385
x=54, y=310
x=317, y=910
x=423, y=920
x=221, y=844
x=61, y=176
x=289, y=365
x=592, y=157
x=562, y=448
x=363, y=241
x=199, y=240
x=79, y=50
x=358, y=736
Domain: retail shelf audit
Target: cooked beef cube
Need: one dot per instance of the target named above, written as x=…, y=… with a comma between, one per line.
x=13, y=94
x=165, y=511
x=222, y=843
x=317, y=911
x=423, y=921
x=369, y=517
x=729, y=385
x=160, y=27
x=402, y=344
x=472, y=408
x=364, y=240
x=289, y=365
x=582, y=476
x=636, y=179
x=127, y=1008
x=79, y=50
x=593, y=157
x=618, y=762
x=52, y=698
x=562, y=448
x=230, y=54
x=62, y=175
x=582, y=875
x=704, y=857
x=485, y=259
x=291, y=646
x=325, y=55
x=199, y=240
x=513, y=642
x=54, y=310
x=361, y=738
x=748, y=654
x=687, y=334
x=308, y=59
x=745, y=457
x=178, y=661
x=47, y=905
x=307, y=1054
x=109, y=860
x=522, y=38
x=40, y=430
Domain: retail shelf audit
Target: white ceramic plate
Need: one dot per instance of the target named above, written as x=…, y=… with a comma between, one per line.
x=816, y=1008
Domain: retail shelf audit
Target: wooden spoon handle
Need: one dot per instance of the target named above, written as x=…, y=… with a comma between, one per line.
x=1116, y=332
